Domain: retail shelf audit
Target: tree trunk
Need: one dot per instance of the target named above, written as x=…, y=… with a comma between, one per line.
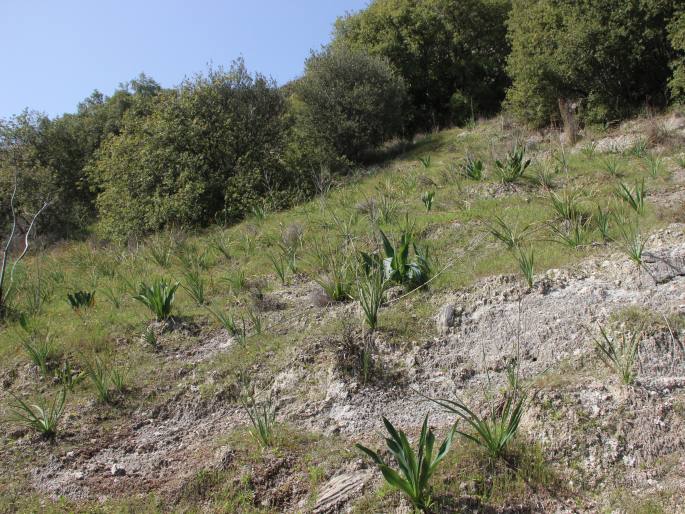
x=566, y=108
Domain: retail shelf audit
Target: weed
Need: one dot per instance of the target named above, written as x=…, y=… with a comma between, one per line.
x=150, y=338
x=611, y=165
x=631, y=241
x=41, y=351
x=221, y=244
x=526, y=261
x=160, y=250
x=397, y=265
x=371, y=293
x=43, y=416
x=415, y=468
x=495, y=430
x=98, y=374
x=511, y=236
x=118, y=379
x=194, y=285
x=112, y=297
x=574, y=234
x=602, y=222
x=620, y=356
x=262, y=414
x=236, y=280
x=280, y=267
x=567, y=205
x=654, y=164
x=68, y=377
x=425, y=161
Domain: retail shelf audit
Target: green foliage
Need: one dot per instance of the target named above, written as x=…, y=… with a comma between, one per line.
x=567, y=205
x=611, y=165
x=654, y=164
x=514, y=165
x=81, y=299
x=526, y=261
x=336, y=279
x=634, y=198
x=43, y=416
x=68, y=377
x=415, y=468
x=208, y=150
x=397, y=265
x=606, y=55
x=262, y=414
x=473, y=168
x=347, y=102
x=371, y=287
x=676, y=36
x=159, y=298
x=631, y=240
x=194, y=285
x=494, y=431
x=450, y=53
x=602, y=222
x=425, y=161
x=621, y=356
x=512, y=236
x=98, y=374
x=41, y=350
x=573, y=234
x=427, y=199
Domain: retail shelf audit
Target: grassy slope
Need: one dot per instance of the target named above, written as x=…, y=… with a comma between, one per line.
x=453, y=225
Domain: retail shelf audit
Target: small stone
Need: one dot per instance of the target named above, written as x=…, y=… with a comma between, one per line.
x=117, y=470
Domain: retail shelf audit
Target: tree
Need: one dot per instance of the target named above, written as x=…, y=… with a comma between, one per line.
x=210, y=149
x=348, y=102
x=607, y=57
x=451, y=53
x=676, y=35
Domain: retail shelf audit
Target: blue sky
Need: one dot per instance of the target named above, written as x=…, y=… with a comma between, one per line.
x=56, y=52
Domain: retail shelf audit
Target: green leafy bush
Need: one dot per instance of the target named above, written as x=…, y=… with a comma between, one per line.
x=209, y=150
x=397, y=265
x=514, y=165
x=347, y=103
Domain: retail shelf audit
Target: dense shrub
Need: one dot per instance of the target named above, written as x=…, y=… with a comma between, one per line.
x=346, y=103
x=451, y=53
x=209, y=150
x=676, y=33
x=50, y=155
x=608, y=56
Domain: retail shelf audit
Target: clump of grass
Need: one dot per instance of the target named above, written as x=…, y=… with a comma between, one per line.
x=574, y=234
x=514, y=165
x=631, y=241
x=41, y=351
x=497, y=428
x=42, y=416
x=526, y=260
x=371, y=287
x=567, y=205
x=194, y=285
x=335, y=280
x=425, y=161
x=620, y=353
x=602, y=222
x=654, y=164
x=511, y=235
x=159, y=249
x=98, y=374
x=81, y=299
x=236, y=280
x=262, y=414
x=68, y=377
x=150, y=338
x=415, y=468
x=159, y=298
x=112, y=297
x=221, y=244
x=611, y=165
x=545, y=178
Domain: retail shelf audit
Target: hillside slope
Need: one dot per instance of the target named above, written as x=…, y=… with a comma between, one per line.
x=175, y=436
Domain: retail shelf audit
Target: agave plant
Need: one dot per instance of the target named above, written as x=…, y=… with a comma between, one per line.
x=514, y=165
x=473, y=168
x=497, y=428
x=415, y=468
x=43, y=416
x=398, y=267
x=81, y=299
x=159, y=298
